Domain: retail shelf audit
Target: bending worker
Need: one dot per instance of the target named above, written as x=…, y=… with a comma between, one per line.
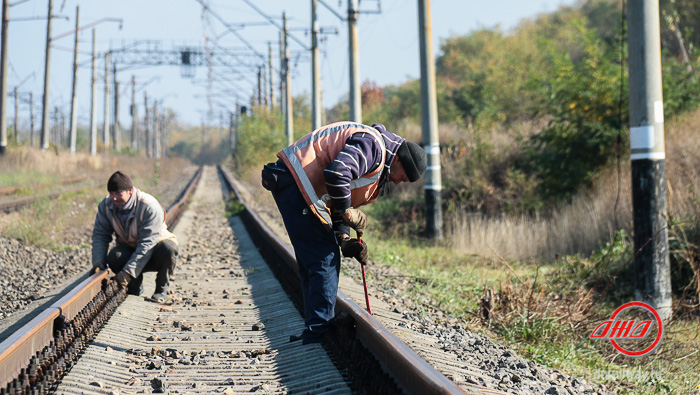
x=318, y=183
x=144, y=243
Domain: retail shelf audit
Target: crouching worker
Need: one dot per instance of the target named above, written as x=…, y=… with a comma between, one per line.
x=144, y=243
x=318, y=183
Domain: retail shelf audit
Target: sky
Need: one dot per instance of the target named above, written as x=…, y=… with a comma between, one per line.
x=388, y=34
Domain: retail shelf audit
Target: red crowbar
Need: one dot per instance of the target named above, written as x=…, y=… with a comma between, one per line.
x=364, y=282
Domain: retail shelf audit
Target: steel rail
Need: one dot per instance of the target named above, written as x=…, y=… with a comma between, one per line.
x=70, y=180
x=8, y=206
x=411, y=373
x=18, y=349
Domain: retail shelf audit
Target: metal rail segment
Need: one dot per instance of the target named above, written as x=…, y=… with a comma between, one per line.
x=8, y=190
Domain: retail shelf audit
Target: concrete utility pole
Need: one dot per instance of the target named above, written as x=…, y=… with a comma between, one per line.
x=74, y=93
x=289, y=120
x=354, y=48
x=93, y=98
x=55, y=136
x=115, y=128
x=47, y=81
x=283, y=79
x=134, y=116
x=156, y=131
x=432, y=181
x=315, y=69
x=272, y=84
x=31, y=119
x=15, y=122
x=264, y=85
x=3, y=77
x=230, y=131
x=146, y=124
x=653, y=279
x=105, y=129
x=260, y=86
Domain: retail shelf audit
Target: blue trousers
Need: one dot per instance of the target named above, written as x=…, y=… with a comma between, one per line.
x=318, y=257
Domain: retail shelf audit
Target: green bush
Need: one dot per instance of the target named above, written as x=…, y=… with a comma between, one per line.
x=258, y=138
x=588, y=110
x=681, y=87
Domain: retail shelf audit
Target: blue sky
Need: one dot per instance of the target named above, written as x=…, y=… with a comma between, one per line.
x=388, y=46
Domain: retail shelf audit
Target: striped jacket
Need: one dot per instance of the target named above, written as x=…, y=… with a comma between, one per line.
x=340, y=165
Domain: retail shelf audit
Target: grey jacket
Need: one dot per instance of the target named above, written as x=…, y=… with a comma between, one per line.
x=145, y=228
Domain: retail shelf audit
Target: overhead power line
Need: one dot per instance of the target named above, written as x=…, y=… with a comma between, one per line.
x=275, y=23
x=231, y=29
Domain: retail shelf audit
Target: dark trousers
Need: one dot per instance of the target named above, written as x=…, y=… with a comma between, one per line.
x=163, y=261
x=318, y=257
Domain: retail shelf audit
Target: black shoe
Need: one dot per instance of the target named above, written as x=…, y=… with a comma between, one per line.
x=135, y=286
x=294, y=338
x=308, y=337
x=137, y=290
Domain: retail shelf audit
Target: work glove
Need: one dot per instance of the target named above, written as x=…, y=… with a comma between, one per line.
x=355, y=219
x=122, y=279
x=354, y=248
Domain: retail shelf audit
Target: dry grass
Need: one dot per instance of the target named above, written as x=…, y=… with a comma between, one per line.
x=576, y=228
x=592, y=217
x=26, y=166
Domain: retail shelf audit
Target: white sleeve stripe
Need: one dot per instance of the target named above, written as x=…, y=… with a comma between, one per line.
x=338, y=185
x=359, y=151
x=350, y=156
x=334, y=172
x=340, y=197
x=343, y=163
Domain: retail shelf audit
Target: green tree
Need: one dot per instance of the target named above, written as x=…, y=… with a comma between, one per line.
x=258, y=138
x=587, y=103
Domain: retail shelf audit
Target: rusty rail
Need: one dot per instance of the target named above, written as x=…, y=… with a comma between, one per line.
x=24, y=353
x=70, y=180
x=410, y=373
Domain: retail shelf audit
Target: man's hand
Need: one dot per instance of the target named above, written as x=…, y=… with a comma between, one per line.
x=353, y=248
x=122, y=279
x=355, y=219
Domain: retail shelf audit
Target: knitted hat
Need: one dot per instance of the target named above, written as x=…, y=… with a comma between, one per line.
x=119, y=182
x=413, y=159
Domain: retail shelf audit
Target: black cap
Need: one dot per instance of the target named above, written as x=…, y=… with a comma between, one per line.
x=119, y=182
x=413, y=159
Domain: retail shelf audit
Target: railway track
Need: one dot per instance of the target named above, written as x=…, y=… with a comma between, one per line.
x=226, y=328
x=8, y=206
x=69, y=180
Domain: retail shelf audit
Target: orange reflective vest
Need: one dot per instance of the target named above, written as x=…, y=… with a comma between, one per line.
x=308, y=157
